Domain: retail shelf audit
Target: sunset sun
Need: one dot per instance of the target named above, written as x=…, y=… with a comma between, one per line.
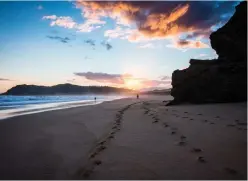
x=133, y=84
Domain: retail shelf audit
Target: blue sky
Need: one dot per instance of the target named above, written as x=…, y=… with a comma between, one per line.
x=134, y=44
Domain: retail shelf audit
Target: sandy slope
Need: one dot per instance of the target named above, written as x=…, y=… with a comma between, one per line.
x=127, y=139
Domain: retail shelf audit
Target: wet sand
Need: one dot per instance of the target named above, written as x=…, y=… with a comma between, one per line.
x=127, y=139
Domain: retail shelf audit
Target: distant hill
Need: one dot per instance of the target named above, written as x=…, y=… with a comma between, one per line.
x=157, y=92
x=63, y=89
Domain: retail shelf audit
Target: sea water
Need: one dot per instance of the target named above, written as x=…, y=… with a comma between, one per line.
x=19, y=105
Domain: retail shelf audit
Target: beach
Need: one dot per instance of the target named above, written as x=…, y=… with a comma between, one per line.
x=127, y=139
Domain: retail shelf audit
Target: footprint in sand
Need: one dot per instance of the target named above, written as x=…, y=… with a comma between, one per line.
x=199, y=114
x=165, y=125
x=87, y=173
x=205, y=121
x=185, y=117
x=101, y=148
x=231, y=171
x=112, y=133
x=191, y=119
x=230, y=125
x=211, y=123
x=181, y=143
x=183, y=137
x=102, y=142
x=185, y=112
x=201, y=159
x=174, y=129
x=242, y=124
x=173, y=132
x=196, y=150
x=155, y=121
x=97, y=162
x=110, y=137
x=217, y=116
x=93, y=155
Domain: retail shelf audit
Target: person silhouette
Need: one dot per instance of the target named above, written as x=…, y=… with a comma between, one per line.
x=137, y=96
x=95, y=99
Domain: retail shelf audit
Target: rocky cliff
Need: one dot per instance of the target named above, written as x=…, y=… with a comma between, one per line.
x=223, y=79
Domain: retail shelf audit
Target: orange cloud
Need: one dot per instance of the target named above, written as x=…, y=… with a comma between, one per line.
x=150, y=20
x=164, y=24
x=148, y=24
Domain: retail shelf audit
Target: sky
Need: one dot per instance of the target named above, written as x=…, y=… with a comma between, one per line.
x=129, y=44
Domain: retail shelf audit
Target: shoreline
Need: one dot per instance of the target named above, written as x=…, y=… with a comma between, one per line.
x=9, y=113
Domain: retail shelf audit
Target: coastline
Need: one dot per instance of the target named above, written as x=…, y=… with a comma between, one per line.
x=134, y=142
x=39, y=108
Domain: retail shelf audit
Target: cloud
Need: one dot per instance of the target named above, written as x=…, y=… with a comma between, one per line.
x=103, y=77
x=90, y=25
x=71, y=80
x=188, y=21
x=107, y=45
x=87, y=58
x=148, y=45
x=202, y=55
x=67, y=22
x=51, y=17
x=3, y=79
x=61, y=39
x=206, y=56
x=90, y=42
x=122, y=80
x=160, y=19
x=165, y=77
x=62, y=21
x=40, y=7
x=184, y=44
x=190, y=44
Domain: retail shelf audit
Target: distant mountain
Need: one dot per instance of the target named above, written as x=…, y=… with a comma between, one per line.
x=63, y=89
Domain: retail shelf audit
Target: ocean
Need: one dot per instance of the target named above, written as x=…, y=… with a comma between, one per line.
x=20, y=105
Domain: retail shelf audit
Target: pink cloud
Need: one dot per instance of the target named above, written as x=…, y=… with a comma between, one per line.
x=122, y=80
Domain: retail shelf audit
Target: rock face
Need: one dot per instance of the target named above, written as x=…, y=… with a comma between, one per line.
x=223, y=79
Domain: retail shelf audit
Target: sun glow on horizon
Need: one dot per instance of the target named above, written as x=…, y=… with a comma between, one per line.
x=133, y=84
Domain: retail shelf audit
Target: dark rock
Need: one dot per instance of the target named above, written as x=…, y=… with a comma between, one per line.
x=220, y=80
x=230, y=41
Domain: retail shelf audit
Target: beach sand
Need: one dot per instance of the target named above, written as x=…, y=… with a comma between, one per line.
x=127, y=139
